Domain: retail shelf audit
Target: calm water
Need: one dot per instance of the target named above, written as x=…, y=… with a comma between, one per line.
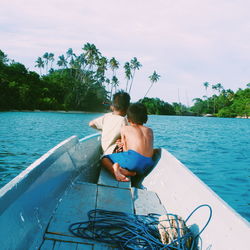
x=217, y=150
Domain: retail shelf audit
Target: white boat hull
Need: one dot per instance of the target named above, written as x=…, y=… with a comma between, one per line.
x=181, y=192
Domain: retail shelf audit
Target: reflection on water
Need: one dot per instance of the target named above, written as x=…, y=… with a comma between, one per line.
x=217, y=150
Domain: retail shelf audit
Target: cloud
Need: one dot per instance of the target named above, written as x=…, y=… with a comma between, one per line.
x=186, y=42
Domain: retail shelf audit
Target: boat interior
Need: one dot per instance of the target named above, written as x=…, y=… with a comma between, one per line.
x=105, y=193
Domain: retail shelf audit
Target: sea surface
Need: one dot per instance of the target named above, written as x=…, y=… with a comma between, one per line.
x=217, y=150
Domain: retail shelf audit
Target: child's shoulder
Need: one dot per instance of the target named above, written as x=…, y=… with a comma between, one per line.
x=115, y=119
x=147, y=129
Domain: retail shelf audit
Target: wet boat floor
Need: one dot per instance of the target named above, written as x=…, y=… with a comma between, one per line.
x=107, y=194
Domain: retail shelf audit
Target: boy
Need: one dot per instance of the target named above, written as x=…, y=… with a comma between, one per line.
x=110, y=124
x=137, y=140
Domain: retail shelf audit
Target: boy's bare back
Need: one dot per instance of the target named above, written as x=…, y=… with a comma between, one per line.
x=138, y=138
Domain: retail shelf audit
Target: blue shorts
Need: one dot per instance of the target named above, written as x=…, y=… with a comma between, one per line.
x=132, y=161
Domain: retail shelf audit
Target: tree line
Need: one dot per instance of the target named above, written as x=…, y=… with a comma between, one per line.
x=87, y=81
x=223, y=102
x=83, y=82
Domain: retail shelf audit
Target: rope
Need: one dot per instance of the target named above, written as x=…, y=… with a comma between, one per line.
x=130, y=231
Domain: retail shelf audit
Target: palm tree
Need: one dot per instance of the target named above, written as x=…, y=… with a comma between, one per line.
x=219, y=87
x=70, y=55
x=62, y=62
x=128, y=75
x=51, y=59
x=214, y=87
x=40, y=64
x=46, y=57
x=79, y=65
x=114, y=65
x=153, y=78
x=102, y=65
x=91, y=54
x=114, y=84
x=206, y=85
x=135, y=64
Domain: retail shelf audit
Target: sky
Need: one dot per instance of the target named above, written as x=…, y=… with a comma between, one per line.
x=186, y=42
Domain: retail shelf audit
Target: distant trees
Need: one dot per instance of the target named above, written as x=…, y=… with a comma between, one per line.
x=59, y=89
x=19, y=88
x=82, y=82
x=157, y=106
x=79, y=82
x=91, y=66
x=225, y=104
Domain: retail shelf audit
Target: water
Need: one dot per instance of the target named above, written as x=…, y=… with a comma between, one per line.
x=215, y=149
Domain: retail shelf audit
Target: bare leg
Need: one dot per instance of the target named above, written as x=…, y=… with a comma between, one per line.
x=118, y=172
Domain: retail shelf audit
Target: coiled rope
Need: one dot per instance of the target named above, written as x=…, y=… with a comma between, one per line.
x=130, y=231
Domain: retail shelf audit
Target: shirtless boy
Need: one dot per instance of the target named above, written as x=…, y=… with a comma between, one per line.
x=137, y=140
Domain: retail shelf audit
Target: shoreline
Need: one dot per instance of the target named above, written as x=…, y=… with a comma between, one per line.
x=54, y=111
x=101, y=112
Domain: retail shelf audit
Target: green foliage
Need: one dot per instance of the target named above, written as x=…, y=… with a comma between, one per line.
x=72, y=88
x=226, y=112
x=225, y=104
x=157, y=106
x=80, y=82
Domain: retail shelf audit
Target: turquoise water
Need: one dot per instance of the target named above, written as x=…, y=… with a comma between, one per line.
x=215, y=149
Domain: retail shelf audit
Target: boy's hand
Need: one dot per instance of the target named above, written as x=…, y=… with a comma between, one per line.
x=119, y=146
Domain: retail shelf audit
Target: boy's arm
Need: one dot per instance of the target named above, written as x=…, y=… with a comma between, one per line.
x=97, y=123
x=92, y=124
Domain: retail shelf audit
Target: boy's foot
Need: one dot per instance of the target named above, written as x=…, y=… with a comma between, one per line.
x=121, y=173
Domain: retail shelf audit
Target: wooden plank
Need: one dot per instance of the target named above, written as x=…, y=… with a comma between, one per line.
x=146, y=202
x=61, y=245
x=66, y=238
x=107, y=179
x=104, y=247
x=81, y=243
x=84, y=247
x=73, y=208
x=114, y=199
x=48, y=245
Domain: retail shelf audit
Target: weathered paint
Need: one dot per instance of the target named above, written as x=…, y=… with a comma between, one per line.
x=146, y=202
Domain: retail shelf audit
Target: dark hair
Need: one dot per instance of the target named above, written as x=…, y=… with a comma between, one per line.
x=137, y=113
x=121, y=101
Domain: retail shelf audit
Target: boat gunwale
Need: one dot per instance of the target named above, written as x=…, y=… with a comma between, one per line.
x=36, y=168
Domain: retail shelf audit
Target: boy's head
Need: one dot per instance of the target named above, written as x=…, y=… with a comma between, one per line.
x=121, y=101
x=137, y=113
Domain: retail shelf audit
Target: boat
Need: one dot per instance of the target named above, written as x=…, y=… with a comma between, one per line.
x=62, y=186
